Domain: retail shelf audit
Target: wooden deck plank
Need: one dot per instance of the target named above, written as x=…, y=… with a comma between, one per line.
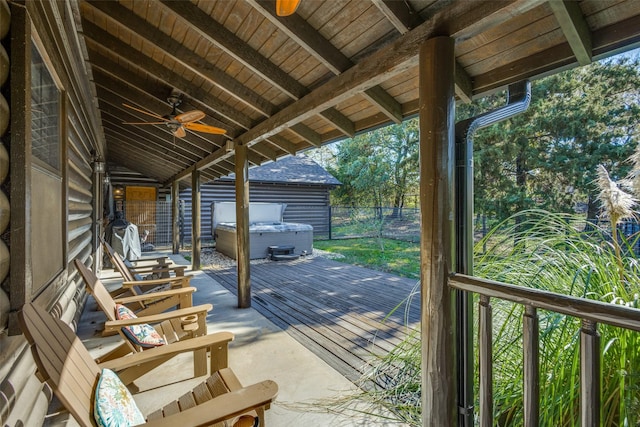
x=338, y=311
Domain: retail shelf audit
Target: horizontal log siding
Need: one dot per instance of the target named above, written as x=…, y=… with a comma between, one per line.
x=306, y=204
x=24, y=400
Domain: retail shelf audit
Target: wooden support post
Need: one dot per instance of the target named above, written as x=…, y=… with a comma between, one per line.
x=195, y=220
x=98, y=185
x=242, y=226
x=437, y=107
x=175, y=215
x=485, y=357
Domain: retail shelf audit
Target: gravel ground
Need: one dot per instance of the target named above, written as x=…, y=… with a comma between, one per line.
x=211, y=259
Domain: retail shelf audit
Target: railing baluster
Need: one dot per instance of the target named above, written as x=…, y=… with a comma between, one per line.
x=485, y=347
x=530, y=345
x=589, y=374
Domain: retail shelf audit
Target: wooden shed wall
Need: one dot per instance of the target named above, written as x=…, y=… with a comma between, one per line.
x=24, y=400
x=307, y=204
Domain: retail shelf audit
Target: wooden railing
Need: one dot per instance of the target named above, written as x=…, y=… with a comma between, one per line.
x=591, y=314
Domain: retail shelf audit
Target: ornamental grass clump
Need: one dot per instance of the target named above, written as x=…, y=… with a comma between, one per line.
x=547, y=251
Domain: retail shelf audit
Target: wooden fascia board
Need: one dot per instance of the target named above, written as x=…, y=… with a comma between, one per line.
x=574, y=27
x=188, y=58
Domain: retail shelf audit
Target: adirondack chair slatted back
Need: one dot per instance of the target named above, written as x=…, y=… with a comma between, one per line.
x=62, y=361
x=97, y=289
x=117, y=262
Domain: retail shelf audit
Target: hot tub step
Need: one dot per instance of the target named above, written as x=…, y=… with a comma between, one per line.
x=287, y=257
x=281, y=250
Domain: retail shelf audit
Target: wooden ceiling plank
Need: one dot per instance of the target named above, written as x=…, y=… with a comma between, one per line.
x=159, y=71
x=605, y=40
x=575, y=28
x=394, y=58
x=250, y=58
x=149, y=140
x=404, y=18
x=309, y=39
x=136, y=95
x=142, y=153
x=235, y=47
x=188, y=58
x=155, y=93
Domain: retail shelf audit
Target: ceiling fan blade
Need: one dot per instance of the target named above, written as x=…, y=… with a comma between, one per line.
x=144, y=123
x=205, y=128
x=148, y=113
x=190, y=116
x=180, y=132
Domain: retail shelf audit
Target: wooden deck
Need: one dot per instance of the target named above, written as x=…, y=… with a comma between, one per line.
x=336, y=310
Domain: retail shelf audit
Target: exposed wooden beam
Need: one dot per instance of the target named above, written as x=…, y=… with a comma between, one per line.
x=607, y=39
x=400, y=13
x=119, y=92
x=136, y=58
x=283, y=144
x=393, y=59
x=404, y=18
x=574, y=27
x=265, y=151
x=188, y=58
x=249, y=57
x=307, y=134
x=309, y=39
x=152, y=94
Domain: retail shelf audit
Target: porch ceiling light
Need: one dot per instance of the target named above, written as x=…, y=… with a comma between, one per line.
x=286, y=7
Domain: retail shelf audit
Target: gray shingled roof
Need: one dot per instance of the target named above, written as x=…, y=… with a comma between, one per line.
x=292, y=169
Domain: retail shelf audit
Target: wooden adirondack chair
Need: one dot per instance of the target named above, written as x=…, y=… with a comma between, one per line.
x=174, y=325
x=134, y=283
x=66, y=365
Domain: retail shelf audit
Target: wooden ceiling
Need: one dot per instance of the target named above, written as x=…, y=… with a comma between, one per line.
x=333, y=69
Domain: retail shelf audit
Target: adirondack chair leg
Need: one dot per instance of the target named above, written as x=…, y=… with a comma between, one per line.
x=200, y=363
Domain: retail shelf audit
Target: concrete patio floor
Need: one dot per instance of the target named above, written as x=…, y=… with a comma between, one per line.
x=261, y=350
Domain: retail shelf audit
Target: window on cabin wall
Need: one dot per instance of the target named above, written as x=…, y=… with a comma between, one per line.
x=47, y=202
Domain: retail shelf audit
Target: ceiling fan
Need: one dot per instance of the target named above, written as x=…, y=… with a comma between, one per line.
x=178, y=123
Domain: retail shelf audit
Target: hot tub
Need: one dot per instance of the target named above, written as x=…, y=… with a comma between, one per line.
x=266, y=228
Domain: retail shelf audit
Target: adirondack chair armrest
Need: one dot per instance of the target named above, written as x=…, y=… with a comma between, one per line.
x=178, y=270
x=215, y=340
x=199, y=310
x=222, y=407
x=154, y=296
x=174, y=281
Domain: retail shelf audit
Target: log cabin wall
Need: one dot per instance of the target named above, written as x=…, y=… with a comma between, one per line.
x=50, y=202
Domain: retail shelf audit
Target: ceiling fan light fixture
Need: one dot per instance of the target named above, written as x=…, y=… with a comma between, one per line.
x=174, y=99
x=286, y=7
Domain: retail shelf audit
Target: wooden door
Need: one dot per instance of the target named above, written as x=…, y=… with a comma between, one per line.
x=140, y=209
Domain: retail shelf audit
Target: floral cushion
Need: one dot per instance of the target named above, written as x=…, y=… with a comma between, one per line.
x=114, y=405
x=143, y=335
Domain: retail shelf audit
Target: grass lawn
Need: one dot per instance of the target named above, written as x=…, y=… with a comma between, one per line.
x=392, y=256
